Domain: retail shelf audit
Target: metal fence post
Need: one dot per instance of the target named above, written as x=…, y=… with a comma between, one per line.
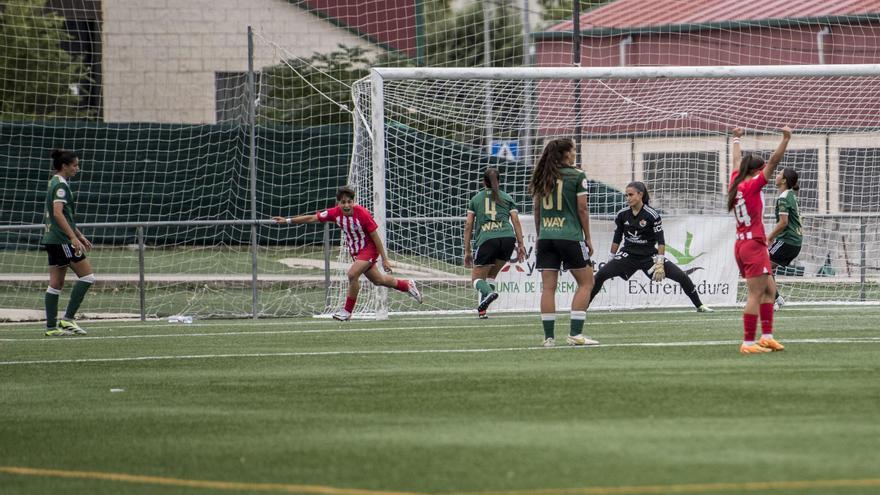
x=863, y=262
x=142, y=286
x=252, y=161
x=326, y=265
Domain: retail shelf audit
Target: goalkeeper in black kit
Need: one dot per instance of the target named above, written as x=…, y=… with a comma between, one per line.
x=641, y=229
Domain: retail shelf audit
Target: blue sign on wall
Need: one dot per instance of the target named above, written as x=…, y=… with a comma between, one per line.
x=509, y=150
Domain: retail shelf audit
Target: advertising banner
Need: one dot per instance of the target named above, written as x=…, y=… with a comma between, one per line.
x=702, y=246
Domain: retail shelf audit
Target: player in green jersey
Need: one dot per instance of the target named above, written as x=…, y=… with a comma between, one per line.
x=786, y=237
x=562, y=222
x=496, y=217
x=66, y=247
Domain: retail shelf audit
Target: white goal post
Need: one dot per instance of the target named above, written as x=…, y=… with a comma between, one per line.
x=424, y=135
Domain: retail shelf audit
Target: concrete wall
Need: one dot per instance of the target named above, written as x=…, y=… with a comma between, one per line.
x=160, y=56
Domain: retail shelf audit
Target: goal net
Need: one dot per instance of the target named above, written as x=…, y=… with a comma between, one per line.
x=427, y=135
x=169, y=188
x=155, y=99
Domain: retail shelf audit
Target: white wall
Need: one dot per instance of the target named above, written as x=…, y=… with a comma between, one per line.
x=616, y=162
x=160, y=56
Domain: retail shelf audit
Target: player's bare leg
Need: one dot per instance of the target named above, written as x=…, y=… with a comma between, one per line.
x=493, y=273
x=480, y=276
x=375, y=275
x=358, y=268
x=579, y=304
x=548, y=305
x=83, y=270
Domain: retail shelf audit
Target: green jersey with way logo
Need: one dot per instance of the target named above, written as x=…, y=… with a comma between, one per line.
x=559, y=218
x=58, y=190
x=787, y=203
x=492, y=220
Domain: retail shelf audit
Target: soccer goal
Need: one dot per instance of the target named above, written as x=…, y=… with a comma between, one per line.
x=423, y=138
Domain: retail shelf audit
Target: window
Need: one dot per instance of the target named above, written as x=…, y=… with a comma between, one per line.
x=683, y=180
x=806, y=163
x=859, y=181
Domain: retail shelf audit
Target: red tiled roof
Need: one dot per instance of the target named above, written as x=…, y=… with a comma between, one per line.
x=623, y=14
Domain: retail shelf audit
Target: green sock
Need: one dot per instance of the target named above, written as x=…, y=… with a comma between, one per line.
x=52, y=308
x=549, y=323
x=76, y=298
x=482, y=286
x=491, y=282
x=577, y=322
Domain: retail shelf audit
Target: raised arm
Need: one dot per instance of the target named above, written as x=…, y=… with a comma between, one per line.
x=770, y=169
x=737, y=148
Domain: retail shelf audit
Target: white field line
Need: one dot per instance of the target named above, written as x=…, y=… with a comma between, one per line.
x=224, y=334
x=599, y=313
x=590, y=324
x=854, y=340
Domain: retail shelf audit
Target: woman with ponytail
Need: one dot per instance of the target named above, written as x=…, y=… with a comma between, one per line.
x=786, y=238
x=562, y=221
x=498, y=232
x=641, y=229
x=65, y=245
x=745, y=200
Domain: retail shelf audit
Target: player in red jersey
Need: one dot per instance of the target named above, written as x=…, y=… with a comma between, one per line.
x=746, y=201
x=364, y=245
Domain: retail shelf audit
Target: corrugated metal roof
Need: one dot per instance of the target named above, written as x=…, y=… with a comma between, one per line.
x=631, y=14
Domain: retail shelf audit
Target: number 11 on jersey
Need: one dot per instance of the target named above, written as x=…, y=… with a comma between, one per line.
x=547, y=201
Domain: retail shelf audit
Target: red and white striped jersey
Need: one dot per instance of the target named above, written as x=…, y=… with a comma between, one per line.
x=749, y=207
x=356, y=227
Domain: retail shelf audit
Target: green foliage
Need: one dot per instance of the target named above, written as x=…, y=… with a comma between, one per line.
x=37, y=73
x=455, y=39
x=316, y=90
x=554, y=11
x=309, y=91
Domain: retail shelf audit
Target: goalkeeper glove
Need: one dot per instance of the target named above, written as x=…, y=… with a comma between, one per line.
x=658, y=272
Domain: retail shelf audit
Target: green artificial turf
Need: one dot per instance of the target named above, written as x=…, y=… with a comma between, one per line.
x=442, y=405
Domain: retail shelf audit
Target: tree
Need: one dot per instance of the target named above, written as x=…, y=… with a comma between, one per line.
x=38, y=75
x=455, y=39
x=554, y=11
x=310, y=91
